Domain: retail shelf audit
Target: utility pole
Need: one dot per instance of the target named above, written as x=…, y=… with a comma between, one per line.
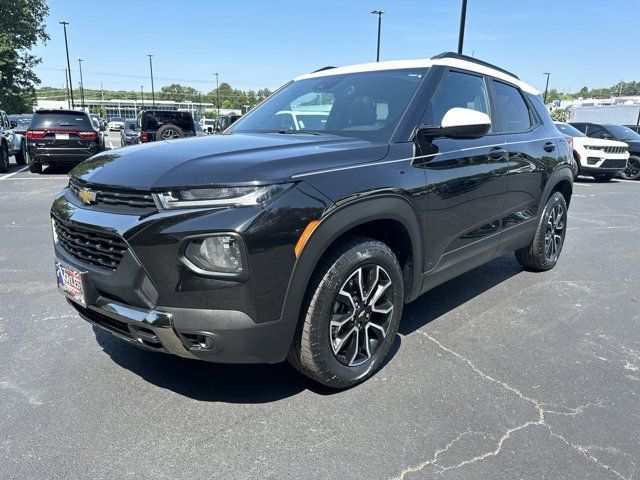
x=379, y=13
x=101, y=92
x=463, y=19
x=66, y=87
x=153, y=92
x=66, y=46
x=546, y=88
x=141, y=98
x=217, y=93
x=81, y=83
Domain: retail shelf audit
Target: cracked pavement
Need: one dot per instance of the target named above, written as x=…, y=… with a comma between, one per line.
x=499, y=373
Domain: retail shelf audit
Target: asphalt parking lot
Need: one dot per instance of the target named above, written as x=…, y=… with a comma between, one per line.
x=499, y=373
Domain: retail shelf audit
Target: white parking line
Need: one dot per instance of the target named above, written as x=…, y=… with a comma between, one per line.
x=9, y=175
x=582, y=184
x=628, y=181
x=111, y=145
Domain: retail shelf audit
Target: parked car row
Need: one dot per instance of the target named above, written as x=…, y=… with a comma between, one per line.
x=603, y=151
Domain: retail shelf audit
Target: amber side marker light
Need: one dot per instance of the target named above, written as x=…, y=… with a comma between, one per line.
x=306, y=233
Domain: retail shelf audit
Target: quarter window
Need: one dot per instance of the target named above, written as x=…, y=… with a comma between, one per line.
x=514, y=113
x=458, y=90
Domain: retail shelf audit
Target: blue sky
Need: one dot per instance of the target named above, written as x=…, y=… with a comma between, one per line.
x=254, y=44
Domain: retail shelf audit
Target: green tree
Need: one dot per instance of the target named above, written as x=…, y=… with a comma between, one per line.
x=178, y=93
x=559, y=115
x=21, y=28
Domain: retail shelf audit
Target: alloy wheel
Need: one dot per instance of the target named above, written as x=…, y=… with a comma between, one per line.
x=361, y=315
x=632, y=171
x=554, y=235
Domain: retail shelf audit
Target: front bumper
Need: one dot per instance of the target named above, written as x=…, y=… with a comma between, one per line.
x=152, y=300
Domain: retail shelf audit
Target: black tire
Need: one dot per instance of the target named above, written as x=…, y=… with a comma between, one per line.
x=169, y=131
x=313, y=351
x=632, y=172
x=4, y=159
x=19, y=156
x=541, y=255
x=575, y=166
x=603, y=177
x=34, y=167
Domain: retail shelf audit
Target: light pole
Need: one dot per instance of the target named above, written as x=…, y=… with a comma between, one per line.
x=153, y=92
x=546, y=88
x=463, y=19
x=81, y=83
x=66, y=46
x=217, y=94
x=379, y=13
x=141, y=98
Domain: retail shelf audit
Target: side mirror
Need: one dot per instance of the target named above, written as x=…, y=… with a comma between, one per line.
x=459, y=123
x=13, y=123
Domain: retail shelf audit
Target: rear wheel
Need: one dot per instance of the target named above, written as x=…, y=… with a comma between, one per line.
x=603, y=177
x=4, y=159
x=632, y=172
x=19, y=156
x=575, y=166
x=169, y=132
x=354, y=305
x=34, y=167
x=543, y=252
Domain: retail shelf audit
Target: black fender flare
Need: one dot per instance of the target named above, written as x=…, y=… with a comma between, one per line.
x=557, y=176
x=342, y=218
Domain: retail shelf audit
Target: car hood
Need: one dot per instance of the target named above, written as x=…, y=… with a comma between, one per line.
x=634, y=145
x=224, y=160
x=598, y=142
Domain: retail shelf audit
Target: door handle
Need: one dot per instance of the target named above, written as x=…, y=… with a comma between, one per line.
x=549, y=147
x=497, y=153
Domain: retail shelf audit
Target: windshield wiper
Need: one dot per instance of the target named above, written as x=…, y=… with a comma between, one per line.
x=293, y=132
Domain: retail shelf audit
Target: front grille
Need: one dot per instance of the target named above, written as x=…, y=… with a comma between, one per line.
x=614, y=164
x=615, y=149
x=118, y=198
x=101, y=249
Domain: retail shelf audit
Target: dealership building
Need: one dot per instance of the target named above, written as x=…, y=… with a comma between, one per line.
x=130, y=108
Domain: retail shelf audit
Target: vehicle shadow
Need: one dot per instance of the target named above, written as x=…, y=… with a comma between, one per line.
x=582, y=179
x=57, y=169
x=213, y=382
x=457, y=292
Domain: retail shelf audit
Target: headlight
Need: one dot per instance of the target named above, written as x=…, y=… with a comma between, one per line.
x=219, y=196
x=215, y=254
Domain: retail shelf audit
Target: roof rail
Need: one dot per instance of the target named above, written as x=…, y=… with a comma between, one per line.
x=322, y=69
x=467, y=58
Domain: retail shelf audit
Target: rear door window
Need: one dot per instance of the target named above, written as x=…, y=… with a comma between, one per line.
x=61, y=121
x=513, y=111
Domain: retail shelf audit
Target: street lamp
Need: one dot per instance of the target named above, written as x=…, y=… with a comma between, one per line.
x=153, y=93
x=379, y=13
x=81, y=83
x=463, y=19
x=217, y=94
x=66, y=46
x=141, y=98
x=546, y=88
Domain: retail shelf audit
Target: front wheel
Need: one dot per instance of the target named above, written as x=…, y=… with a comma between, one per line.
x=351, y=316
x=632, y=172
x=602, y=177
x=543, y=252
x=19, y=156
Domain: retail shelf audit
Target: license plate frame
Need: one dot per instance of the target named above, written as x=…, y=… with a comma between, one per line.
x=70, y=282
x=62, y=136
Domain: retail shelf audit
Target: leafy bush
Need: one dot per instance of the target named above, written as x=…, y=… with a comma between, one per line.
x=559, y=115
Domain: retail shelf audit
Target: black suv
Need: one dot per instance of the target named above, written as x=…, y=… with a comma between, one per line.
x=164, y=125
x=622, y=134
x=61, y=137
x=262, y=245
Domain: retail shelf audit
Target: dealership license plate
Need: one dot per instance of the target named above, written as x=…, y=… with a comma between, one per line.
x=62, y=136
x=70, y=283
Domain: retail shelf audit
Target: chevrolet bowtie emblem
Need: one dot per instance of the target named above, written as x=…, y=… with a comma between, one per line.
x=88, y=197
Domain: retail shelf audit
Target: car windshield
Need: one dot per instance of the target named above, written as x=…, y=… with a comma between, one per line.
x=622, y=133
x=46, y=120
x=117, y=119
x=21, y=121
x=569, y=130
x=130, y=124
x=366, y=105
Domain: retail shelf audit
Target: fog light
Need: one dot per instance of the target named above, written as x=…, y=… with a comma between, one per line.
x=219, y=253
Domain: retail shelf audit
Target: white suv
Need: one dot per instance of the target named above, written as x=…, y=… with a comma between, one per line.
x=601, y=158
